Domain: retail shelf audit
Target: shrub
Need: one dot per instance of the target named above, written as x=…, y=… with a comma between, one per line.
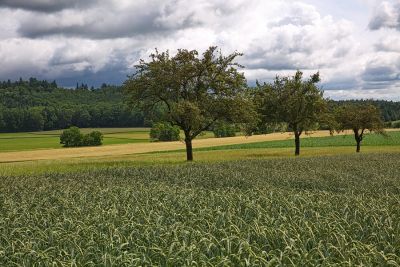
x=73, y=137
x=223, y=129
x=396, y=124
x=94, y=138
x=163, y=131
x=388, y=124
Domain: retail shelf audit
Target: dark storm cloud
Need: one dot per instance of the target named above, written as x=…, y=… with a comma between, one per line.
x=46, y=6
x=106, y=25
x=380, y=77
x=341, y=84
x=118, y=28
x=381, y=74
x=111, y=75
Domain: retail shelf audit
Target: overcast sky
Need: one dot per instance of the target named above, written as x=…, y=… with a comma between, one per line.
x=355, y=44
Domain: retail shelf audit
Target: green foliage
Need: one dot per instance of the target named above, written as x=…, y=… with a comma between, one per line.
x=223, y=129
x=298, y=103
x=189, y=91
x=390, y=110
x=255, y=213
x=38, y=105
x=73, y=137
x=94, y=138
x=291, y=100
x=359, y=118
x=396, y=124
x=164, y=131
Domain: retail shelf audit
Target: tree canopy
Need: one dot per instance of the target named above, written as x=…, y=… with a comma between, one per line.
x=292, y=100
x=359, y=118
x=34, y=105
x=192, y=91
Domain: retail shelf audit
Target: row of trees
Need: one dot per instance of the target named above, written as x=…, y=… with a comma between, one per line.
x=196, y=92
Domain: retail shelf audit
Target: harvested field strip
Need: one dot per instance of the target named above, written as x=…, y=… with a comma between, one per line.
x=127, y=149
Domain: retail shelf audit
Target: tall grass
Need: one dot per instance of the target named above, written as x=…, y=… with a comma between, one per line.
x=309, y=211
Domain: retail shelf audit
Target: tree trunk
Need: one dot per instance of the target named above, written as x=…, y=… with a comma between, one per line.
x=297, y=142
x=358, y=138
x=189, y=150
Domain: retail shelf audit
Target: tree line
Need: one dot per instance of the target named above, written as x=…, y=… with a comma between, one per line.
x=35, y=105
x=195, y=92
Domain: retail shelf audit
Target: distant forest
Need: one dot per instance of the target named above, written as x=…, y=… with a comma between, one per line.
x=35, y=105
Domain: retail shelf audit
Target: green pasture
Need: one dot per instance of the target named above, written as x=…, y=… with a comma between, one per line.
x=390, y=139
x=51, y=139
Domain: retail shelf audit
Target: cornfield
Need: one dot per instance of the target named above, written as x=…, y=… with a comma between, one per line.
x=301, y=212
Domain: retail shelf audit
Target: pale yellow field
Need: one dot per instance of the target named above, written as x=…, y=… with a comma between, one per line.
x=129, y=149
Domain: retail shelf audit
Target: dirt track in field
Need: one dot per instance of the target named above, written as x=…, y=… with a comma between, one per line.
x=128, y=149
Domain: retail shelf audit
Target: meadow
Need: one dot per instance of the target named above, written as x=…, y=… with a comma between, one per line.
x=392, y=138
x=330, y=210
x=51, y=139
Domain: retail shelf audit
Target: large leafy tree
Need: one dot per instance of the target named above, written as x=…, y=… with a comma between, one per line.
x=192, y=91
x=359, y=118
x=292, y=100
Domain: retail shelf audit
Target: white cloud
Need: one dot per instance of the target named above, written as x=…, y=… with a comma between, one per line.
x=65, y=39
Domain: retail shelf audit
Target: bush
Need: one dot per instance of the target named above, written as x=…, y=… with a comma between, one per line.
x=388, y=124
x=396, y=124
x=73, y=137
x=223, y=129
x=163, y=131
x=94, y=138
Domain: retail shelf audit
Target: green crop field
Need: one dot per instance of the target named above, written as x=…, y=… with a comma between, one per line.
x=331, y=210
x=249, y=204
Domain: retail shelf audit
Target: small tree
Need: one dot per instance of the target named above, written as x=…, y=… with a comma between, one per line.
x=359, y=118
x=164, y=131
x=191, y=92
x=298, y=103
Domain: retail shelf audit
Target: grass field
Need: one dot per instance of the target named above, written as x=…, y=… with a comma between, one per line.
x=392, y=139
x=331, y=210
x=51, y=139
x=319, y=139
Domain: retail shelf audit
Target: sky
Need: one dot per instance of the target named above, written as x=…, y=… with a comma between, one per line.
x=354, y=44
